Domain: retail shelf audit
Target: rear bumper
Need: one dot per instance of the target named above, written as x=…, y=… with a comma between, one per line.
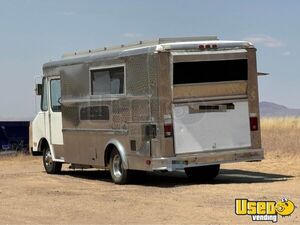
x=206, y=158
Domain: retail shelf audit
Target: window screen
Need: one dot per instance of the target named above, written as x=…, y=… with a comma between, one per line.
x=210, y=71
x=107, y=81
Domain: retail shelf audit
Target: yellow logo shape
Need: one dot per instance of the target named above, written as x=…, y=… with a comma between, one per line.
x=264, y=210
x=285, y=207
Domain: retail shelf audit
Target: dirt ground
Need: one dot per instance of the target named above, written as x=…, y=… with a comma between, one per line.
x=29, y=196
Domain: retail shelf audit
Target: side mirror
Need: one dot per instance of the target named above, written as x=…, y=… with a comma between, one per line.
x=38, y=89
x=262, y=74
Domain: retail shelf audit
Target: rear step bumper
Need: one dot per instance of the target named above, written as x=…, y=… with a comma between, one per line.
x=206, y=158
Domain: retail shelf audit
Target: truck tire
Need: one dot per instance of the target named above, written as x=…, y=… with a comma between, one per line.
x=118, y=174
x=202, y=173
x=36, y=153
x=50, y=166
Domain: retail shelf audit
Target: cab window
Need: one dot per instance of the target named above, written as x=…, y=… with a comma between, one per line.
x=44, y=97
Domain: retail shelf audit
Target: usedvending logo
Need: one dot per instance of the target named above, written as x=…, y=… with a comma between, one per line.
x=264, y=210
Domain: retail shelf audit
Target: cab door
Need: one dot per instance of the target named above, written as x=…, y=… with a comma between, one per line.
x=55, y=116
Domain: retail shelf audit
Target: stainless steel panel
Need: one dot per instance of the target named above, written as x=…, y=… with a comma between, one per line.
x=59, y=151
x=74, y=81
x=137, y=80
x=209, y=55
x=206, y=158
x=164, y=101
x=85, y=139
x=253, y=96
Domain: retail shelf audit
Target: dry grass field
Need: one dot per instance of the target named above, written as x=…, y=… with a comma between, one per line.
x=281, y=137
x=30, y=196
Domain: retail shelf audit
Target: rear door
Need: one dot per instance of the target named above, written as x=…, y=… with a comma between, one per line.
x=211, y=126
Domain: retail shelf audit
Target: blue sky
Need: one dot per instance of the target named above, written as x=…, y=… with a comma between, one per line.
x=33, y=32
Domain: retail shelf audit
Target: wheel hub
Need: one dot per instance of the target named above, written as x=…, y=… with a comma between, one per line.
x=48, y=158
x=117, y=166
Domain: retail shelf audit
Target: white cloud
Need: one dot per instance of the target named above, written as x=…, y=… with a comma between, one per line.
x=131, y=35
x=287, y=53
x=265, y=40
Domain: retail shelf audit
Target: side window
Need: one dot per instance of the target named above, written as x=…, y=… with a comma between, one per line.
x=55, y=94
x=107, y=81
x=44, y=98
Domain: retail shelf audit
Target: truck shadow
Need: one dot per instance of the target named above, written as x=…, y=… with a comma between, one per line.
x=168, y=179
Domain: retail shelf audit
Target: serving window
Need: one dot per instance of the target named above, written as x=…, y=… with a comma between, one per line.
x=210, y=71
x=107, y=81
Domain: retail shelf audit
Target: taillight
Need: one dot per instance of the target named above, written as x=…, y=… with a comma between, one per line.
x=253, y=123
x=168, y=126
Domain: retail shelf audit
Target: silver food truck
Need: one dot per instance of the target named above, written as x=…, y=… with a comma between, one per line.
x=172, y=104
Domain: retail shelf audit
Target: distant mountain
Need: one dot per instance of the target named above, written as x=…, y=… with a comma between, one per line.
x=270, y=109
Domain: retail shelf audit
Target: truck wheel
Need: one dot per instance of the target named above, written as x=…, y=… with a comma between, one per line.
x=50, y=166
x=118, y=174
x=203, y=173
